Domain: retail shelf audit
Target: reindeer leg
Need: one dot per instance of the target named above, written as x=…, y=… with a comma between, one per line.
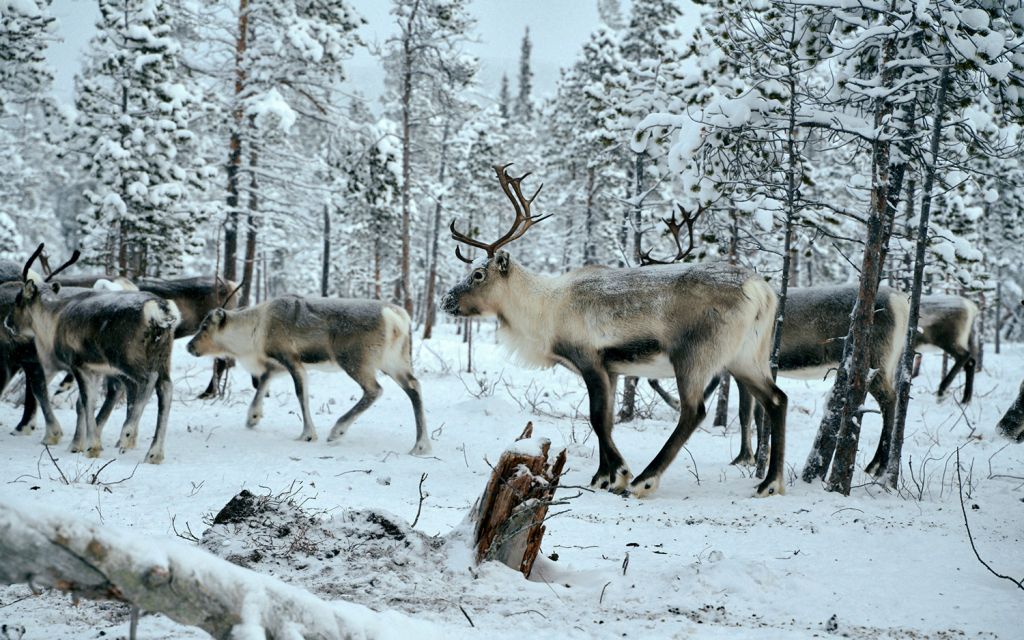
x=612, y=472
x=411, y=386
x=256, y=407
x=87, y=414
x=665, y=395
x=214, y=386
x=774, y=401
x=138, y=395
x=969, y=368
x=114, y=392
x=960, y=359
x=1011, y=424
x=164, y=392
x=36, y=392
x=746, y=454
x=886, y=397
x=366, y=378
x=298, y=373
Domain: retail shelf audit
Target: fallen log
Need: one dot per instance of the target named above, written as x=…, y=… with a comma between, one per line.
x=190, y=586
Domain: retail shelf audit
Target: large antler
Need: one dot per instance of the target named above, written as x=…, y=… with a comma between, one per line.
x=513, y=190
x=674, y=228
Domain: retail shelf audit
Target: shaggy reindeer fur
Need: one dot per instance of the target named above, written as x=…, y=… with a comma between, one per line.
x=682, y=321
x=947, y=324
x=813, y=334
x=290, y=333
x=194, y=296
x=92, y=334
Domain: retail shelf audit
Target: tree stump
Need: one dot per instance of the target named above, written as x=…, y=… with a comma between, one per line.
x=509, y=516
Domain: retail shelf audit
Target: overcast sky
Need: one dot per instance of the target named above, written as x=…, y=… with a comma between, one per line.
x=557, y=29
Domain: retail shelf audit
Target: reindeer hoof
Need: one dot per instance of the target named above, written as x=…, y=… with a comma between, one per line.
x=125, y=442
x=207, y=395
x=253, y=419
x=76, y=447
x=307, y=437
x=94, y=451
x=644, y=488
x=421, y=449
x=875, y=469
x=771, y=487
x=24, y=429
x=745, y=459
x=154, y=457
x=615, y=482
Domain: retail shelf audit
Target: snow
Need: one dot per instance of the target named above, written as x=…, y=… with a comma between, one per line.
x=272, y=110
x=702, y=558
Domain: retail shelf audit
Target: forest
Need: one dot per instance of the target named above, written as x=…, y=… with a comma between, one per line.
x=843, y=183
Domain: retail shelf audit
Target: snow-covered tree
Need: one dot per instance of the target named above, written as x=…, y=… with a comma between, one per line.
x=132, y=134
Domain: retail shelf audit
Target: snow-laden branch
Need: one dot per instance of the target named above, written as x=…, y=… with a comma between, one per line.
x=49, y=549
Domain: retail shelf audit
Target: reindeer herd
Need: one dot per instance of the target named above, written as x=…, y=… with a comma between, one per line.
x=690, y=322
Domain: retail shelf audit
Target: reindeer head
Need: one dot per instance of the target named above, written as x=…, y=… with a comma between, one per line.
x=34, y=290
x=205, y=342
x=482, y=291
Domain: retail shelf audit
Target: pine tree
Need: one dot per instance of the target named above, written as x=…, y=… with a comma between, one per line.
x=133, y=133
x=504, y=98
x=524, y=99
x=29, y=127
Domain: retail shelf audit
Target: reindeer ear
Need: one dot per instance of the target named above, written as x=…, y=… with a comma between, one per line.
x=29, y=290
x=502, y=259
x=55, y=287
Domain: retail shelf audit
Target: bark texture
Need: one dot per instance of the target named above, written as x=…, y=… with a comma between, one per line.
x=509, y=517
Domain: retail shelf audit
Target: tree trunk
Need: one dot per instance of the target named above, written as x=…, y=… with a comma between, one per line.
x=722, y=409
x=509, y=516
x=325, y=274
x=251, y=233
x=838, y=434
x=406, y=100
x=235, y=145
x=628, y=409
x=188, y=585
x=999, y=308
x=589, y=248
x=906, y=368
x=431, y=308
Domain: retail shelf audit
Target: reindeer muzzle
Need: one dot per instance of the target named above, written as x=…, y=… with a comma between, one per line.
x=450, y=304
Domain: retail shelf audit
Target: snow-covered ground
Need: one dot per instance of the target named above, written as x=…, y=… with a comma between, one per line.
x=702, y=558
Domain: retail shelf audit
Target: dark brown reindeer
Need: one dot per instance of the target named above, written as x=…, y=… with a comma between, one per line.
x=817, y=321
x=95, y=335
x=683, y=321
x=947, y=324
x=194, y=297
x=290, y=333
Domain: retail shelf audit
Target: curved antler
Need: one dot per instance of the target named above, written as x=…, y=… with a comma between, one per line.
x=512, y=187
x=74, y=258
x=32, y=258
x=674, y=228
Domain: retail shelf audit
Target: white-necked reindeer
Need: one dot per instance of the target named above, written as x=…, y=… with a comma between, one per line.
x=94, y=335
x=947, y=324
x=683, y=321
x=290, y=333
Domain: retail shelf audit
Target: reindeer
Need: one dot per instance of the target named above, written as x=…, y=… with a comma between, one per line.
x=816, y=324
x=194, y=296
x=682, y=321
x=287, y=334
x=94, y=334
x=947, y=324
x=1011, y=424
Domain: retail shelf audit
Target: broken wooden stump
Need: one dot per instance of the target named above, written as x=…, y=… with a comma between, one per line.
x=509, y=516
